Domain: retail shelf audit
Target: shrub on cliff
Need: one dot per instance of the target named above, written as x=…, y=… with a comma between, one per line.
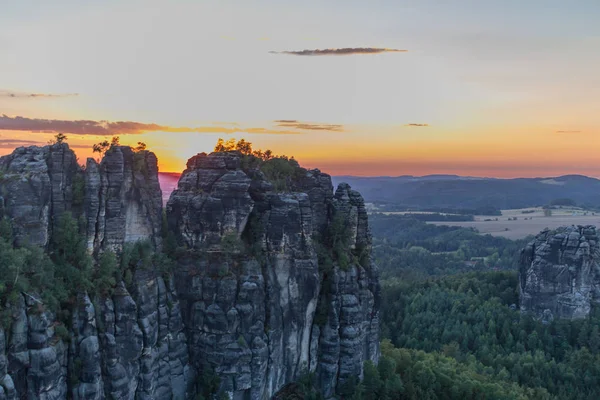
x=105, y=273
x=27, y=270
x=78, y=190
x=280, y=170
x=69, y=253
x=102, y=147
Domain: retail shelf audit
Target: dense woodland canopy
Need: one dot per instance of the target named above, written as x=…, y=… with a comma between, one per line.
x=406, y=247
x=452, y=331
x=468, y=325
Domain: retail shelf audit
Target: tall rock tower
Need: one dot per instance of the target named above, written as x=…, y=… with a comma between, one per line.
x=559, y=273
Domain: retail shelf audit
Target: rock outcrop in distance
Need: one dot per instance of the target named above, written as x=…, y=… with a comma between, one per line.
x=270, y=281
x=559, y=274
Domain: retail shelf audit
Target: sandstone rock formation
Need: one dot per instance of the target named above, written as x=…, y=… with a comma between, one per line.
x=251, y=312
x=120, y=197
x=36, y=186
x=559, y=275
x=123, y=201
x=268, y=284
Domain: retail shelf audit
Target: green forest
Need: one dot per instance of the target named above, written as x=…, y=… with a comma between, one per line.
x=451, y=331
x=408, y=248
x=467, y=328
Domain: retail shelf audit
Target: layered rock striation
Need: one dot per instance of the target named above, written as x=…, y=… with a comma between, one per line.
x=260, y=305
x=559, y=274
x=273, y=279
x=123, y=200
x=120, y=198
x=130, y=344
x=36, y=187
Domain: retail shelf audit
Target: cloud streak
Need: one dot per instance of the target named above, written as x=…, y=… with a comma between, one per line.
x=417, y=125
x=345, y=51
x=292, y=123
x=106, y=128
x=568, y=131
x=25, y=95
x=13, y=143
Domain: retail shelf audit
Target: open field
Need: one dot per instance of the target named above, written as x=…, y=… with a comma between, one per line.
x=523, y=227
x=414, y=212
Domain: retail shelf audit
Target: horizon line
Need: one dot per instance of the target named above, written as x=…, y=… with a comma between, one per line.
x=432, y=175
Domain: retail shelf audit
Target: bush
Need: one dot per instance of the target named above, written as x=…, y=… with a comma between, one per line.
x=105, y=273
x=231, y=244
x=281, y=171
x=78, y=190
x=69, y=253
x=62, y=332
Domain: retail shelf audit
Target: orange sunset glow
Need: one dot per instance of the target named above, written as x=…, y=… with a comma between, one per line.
x=397, y=90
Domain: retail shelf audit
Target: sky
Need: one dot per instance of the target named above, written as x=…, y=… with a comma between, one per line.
x=505, y=88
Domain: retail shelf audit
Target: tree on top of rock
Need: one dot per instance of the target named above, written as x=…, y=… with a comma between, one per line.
x=280, y=170
x=242, y=146
x=223, y=145
x=58, y=139
x=141, y=146
x=245, y=148
x=103, y=146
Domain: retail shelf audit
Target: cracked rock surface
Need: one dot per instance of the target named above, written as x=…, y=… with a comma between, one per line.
x=559, y=274
x=253, y=295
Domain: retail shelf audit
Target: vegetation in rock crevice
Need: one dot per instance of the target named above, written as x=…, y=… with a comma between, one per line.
x=57, y=277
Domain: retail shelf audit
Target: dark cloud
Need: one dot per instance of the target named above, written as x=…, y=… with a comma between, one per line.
x=347, y=51
x=106, y=128
x=13, y=143
x=292, y=123
x=416, y=125
x=20, y=95
x=568, y=131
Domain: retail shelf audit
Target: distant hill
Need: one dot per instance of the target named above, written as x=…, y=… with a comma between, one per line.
x=456, y=192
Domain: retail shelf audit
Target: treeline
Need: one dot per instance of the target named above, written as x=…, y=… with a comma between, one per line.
x=464, y=330
x=406, y=247
x=438, y=217
x=468, y=212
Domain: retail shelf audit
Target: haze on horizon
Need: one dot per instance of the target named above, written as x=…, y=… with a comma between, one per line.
x=496, y=88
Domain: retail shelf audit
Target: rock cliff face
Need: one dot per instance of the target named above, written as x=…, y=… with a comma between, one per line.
x=123, y=201
x=268, y=285
x=120, y=198
x=559, y=275
x=254, y=284
x=36, y=186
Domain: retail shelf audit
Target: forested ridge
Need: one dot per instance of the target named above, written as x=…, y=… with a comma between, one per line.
x=455, y=332
x=406, y=247
x=472, y=319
